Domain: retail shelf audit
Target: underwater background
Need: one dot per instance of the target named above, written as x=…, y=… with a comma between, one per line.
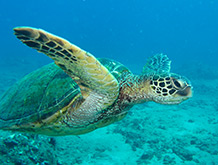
x=127, y=31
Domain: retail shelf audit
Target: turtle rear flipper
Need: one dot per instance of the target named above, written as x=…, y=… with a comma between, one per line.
x=157, y=64
x=78, y=64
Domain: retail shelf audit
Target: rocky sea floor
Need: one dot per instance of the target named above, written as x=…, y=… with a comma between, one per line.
x=150, y=134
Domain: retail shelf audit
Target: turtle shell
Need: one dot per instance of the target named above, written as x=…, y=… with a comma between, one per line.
x=116, y=68
x=37, y=96
x=43, y=92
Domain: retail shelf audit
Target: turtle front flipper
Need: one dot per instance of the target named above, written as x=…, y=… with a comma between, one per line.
x=78, y=64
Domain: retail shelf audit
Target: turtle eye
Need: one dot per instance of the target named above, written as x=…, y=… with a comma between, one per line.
x=178, y=83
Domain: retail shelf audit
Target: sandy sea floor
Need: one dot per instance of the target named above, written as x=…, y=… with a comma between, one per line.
x=150, y=134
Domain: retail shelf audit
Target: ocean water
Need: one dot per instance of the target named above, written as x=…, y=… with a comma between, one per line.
x=129, y=32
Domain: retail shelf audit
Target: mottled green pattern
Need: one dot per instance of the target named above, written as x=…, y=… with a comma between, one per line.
x=36, y=96
x=116, y=68
x=43, y=92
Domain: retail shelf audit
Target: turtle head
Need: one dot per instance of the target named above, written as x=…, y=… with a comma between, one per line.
x=165, y=87
x=169, y=88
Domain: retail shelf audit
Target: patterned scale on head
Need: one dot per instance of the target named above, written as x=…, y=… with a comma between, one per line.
x=167, y=88
x=171, y=86
x=79, y=93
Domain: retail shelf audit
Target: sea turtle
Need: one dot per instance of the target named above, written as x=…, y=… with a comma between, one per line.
x=79, y=93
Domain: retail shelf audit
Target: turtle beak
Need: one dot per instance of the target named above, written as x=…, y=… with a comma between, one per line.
x=186, y=92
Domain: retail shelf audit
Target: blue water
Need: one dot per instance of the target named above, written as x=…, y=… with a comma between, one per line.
x=130, y=32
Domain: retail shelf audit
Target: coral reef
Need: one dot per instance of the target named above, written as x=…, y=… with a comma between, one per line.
x=27, y=149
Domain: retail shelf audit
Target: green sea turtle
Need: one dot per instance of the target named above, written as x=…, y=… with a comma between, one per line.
x=79, y=93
